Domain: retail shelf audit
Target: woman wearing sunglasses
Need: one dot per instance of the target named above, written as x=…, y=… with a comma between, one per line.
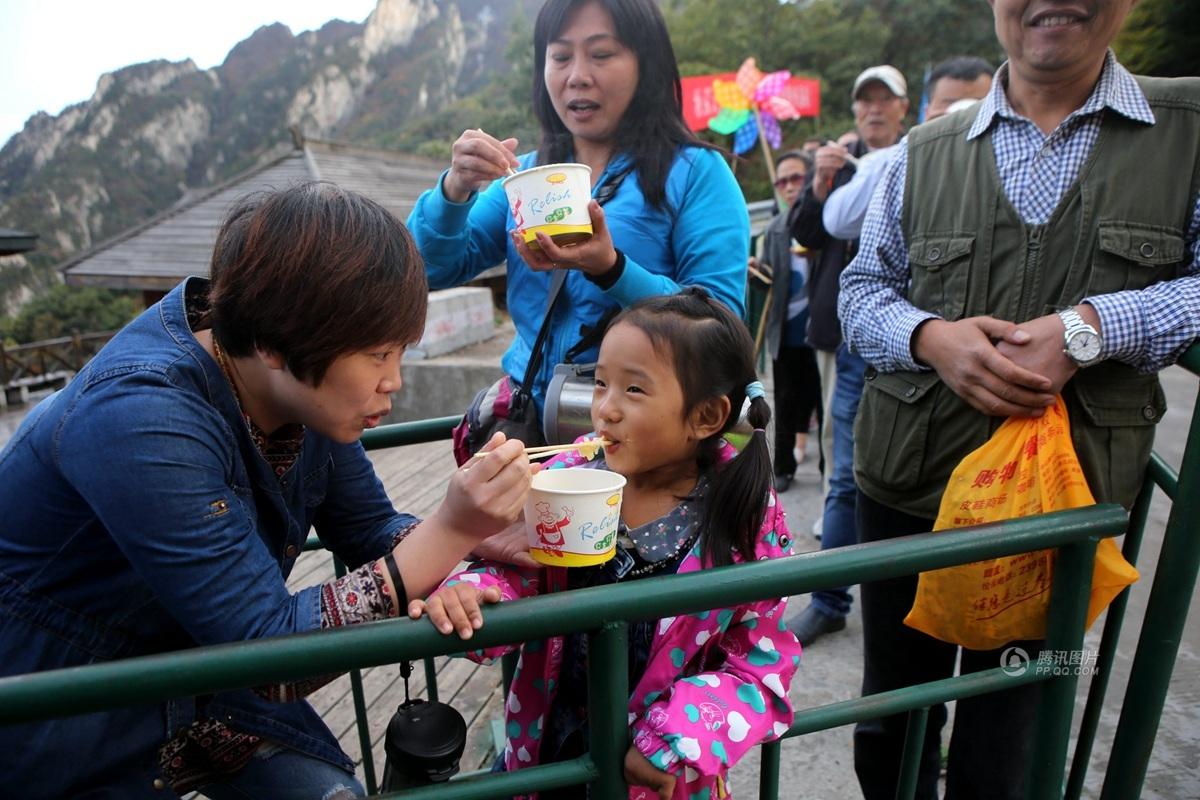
x=794, y=365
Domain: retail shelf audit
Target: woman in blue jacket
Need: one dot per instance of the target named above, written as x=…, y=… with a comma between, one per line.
x=607, y=94
x=160, y=500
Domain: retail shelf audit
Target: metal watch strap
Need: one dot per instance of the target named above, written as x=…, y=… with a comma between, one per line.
x=1073, y=324
x=1072, y=321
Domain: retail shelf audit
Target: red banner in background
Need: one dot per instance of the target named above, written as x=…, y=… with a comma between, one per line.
x=699, y=105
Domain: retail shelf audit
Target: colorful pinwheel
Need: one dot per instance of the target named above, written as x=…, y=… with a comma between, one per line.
x=751, y=106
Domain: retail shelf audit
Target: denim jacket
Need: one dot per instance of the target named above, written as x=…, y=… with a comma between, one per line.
x=138, y=517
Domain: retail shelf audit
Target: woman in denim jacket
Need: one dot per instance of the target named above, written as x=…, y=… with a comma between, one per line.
x=159, y=502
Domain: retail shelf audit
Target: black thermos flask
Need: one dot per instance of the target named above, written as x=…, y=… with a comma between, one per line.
x=424, y=742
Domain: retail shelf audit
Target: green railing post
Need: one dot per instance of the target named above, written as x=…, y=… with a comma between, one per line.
x=1162, y=630
x=1098, y=688
x=431, y=683
x=360, y=709
x=508, y=668
x=608, y=704
x=768, y=770
x=910, y=758
x=1064, y=633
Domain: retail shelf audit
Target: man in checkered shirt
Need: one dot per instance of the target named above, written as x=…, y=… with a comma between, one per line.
x=1045, y=241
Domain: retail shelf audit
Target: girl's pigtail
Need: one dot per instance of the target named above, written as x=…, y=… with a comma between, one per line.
x=737, y=496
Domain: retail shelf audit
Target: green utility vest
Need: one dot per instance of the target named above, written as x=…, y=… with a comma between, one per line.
x=1120, y=226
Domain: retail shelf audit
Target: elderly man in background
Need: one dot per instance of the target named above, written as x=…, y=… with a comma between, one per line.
x=880, y=98
x=793, y=365
x=1047, y=242
x=951, y=82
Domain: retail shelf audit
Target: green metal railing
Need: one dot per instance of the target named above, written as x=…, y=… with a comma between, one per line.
x=604, y=613
x=1166, y=614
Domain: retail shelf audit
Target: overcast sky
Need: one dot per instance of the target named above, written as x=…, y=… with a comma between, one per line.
x=52, y=53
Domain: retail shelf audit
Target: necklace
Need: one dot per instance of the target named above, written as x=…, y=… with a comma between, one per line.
x=652, y=566
x=224, y=365
x=281, y=450
x=237, y=398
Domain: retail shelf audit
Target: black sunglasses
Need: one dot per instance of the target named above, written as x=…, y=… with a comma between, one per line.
x=795, y=179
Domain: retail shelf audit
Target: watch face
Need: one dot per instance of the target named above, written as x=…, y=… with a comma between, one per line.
x=1084, y=346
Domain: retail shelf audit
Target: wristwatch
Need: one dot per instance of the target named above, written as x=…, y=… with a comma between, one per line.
x=1081, y=342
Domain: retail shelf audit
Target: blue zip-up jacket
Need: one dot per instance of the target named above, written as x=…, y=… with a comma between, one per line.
x=136, y=517
x=702, y=238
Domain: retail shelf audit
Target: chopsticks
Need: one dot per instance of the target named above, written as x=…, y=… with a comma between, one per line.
x=545, y=451
x=762, y=277
x=593, y=445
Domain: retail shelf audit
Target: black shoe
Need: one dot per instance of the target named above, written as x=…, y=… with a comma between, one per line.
x=782, y=482
x=813, y=623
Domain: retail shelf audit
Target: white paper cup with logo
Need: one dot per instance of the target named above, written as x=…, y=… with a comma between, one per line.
x=552, y=199
x=571, y=516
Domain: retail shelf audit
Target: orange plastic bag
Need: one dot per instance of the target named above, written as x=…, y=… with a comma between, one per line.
x=1027, y=467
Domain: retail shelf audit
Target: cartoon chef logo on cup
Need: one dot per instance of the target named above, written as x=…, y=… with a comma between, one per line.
x=572, y=514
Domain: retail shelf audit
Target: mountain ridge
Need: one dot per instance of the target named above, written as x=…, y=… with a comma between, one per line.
x=153, y=132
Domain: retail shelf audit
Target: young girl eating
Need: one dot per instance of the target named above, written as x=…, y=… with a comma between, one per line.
x=672, y=373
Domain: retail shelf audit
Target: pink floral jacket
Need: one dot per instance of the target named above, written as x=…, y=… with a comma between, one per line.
x=715, y=686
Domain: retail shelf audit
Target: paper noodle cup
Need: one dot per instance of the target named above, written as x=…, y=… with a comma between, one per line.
x=552, y=199
x=571, y=516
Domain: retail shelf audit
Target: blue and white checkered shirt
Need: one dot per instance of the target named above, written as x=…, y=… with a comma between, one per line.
x=1148, y=329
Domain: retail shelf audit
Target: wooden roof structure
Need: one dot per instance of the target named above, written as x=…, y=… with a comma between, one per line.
x=157, y=254
x=13, y=241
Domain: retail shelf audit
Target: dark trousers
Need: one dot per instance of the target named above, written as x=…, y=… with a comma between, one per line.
x=797, y=395
x=992, y=742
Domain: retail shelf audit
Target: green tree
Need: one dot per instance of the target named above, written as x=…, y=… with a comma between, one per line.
x=832, y=40
x=1161, y=37
x=63, y=310
x=716, y=36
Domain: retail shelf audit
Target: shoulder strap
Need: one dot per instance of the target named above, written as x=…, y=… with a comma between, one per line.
x=603, y=194
x=557, y=279
x=610, y=186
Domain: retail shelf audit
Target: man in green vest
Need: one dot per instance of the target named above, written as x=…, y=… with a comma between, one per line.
x=1045, y=241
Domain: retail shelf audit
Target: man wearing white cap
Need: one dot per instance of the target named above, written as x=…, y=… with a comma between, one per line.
x=880, y=101
x=954, y=84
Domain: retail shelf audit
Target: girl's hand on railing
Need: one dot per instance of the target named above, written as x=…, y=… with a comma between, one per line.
x=640, y=772
x=455, y=607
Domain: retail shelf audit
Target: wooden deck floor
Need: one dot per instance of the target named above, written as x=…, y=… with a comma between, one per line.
x=415, y=478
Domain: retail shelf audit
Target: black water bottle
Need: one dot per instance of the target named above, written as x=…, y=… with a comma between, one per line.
x=424, y=742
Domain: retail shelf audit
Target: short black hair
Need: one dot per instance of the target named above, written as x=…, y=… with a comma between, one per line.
x=313, y=272
x=799, y=155
x=960, y=68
